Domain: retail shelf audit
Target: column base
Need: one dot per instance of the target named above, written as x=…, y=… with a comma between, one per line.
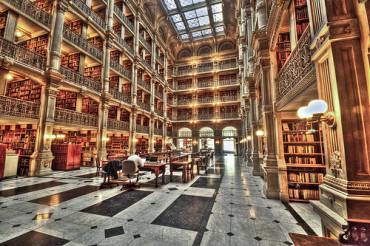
x=40, y=163
x=256, y=165
x=271, y=187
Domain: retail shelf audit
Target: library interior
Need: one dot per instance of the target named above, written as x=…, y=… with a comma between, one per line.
x=185, y=122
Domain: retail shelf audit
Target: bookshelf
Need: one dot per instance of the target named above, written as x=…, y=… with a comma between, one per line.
x=115, y=55
x=117, y=145
x=20, y=138
x=26, y=89
x=90, y=106
x=125, y=115
x=301, y=14
x=66, y=156
x=304, y=158
x=142, y=146
x=38, y=45
x=87, y=140
x=283, y=49
x=3, y=19
x=117, y=29
x=45, y=5
x=93, y=72
x=71, y=61
x=66, y=100
x=75, y=26
x=112, y=112
x=96, y=42
x=114, y=83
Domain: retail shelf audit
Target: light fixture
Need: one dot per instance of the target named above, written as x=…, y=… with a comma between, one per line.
x=60, y=136
x=317, y=110
x=249, y=138
x=195, y=142
x=260, y=133
x=18, y=33
x=9, y=76
x=106, y=139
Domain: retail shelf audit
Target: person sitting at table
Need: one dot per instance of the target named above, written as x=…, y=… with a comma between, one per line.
x=138, y=161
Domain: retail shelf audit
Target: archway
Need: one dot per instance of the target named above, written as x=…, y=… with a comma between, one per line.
x=229, y=135
x=206, y=138
x=184, y=141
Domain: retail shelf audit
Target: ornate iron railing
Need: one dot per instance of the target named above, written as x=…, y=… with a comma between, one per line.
x=30, y=9
x=158, y=131
x=79, y=79
x=142, y=129
x=228, y=64
x=122, y=16
x=125, y=45
x=18, y=108
x=82, y=43
x=229, y=115
x=144, y=106
x=206, y=67
x=184, y=101
x=118, y=125
x=205, y=116
x=22, y=55
x=206, y=83
x=121, y=69
x=120, y=96
x=228, y=82
x=90, y=13
x=183, y=86
x=75, y=118
x=205, y=99
x=144, y=84
x=145, y=43
x=296, y=68
x=159, y=93
x=229, y=98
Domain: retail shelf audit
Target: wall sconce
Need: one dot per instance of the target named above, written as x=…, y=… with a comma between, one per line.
x=9, y=76
x=249, y=138
x=316, y=110
x=260, y=133
x=195, y=142
x=217, y=141
x=18, y=33
x=106, y=139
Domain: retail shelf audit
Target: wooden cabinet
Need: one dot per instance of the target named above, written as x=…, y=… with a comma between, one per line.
x=66, y=156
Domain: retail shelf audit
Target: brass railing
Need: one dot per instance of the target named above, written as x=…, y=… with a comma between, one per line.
x=18, y=108
x=121, y=69
x=30, y=9
x=296, y=68
x=75, y=118
x=22, y=55
x=79, y=79
x=82, y=43
x=118, y=125
x=90, y=13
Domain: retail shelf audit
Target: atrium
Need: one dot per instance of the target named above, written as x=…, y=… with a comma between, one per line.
x=185, y=122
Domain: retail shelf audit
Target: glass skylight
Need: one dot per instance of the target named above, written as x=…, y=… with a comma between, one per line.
x=195, y=18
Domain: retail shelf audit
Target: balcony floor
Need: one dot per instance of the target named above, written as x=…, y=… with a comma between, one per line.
x=224, y=207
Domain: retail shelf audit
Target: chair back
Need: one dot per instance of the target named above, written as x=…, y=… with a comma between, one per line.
x=129, y=167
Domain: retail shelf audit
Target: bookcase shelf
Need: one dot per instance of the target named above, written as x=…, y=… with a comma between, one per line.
x=304, y=158
x=301, y=14
x=26, y=89
x=3, y=18
x=117, y=145
x=20, y=138
x=71, y=61
x=66, y=100
x=38, y=45
x=283, y=49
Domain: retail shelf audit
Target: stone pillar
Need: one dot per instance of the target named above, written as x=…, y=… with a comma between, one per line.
x=261, y=14
x=152, y=95
x=164, y=135
x=254, y=153
x=165, y=91
x=134, y=83
x=270, y=164
x=151, y=134
x=102, y=130
x=248, y=133
x=11, y=26
x=132, y=140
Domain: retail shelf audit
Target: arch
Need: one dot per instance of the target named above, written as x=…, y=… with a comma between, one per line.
x=184, y=53
x=204, y=50
x=184, y=132
x=226, y=45
x=206, y=132
x=229, y=131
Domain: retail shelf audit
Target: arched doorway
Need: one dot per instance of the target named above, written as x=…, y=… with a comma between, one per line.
x=206, y=138
x=229, y=135
x=184, y=141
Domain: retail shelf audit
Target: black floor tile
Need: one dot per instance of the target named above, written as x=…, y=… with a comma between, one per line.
x=29, y=188
x=204, y=182
x=65, y=195
x=187, y=212
x=89, y=175
x=115, y=231
x=118, y=203
x=34, y=238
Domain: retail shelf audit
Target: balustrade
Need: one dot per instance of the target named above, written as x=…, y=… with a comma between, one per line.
x=142, y=129
x=90, y=13
x=18, y=108
x=118, y=125
x=80, y=80
x=75, y=118
x=120, y=69
x=144, y=84
x=120, y=96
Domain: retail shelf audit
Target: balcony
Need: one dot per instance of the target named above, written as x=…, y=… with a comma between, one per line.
x=205, y=116
x=120, y=96
x=125, y=45
x=82, y=43
x=159, y=112
x=144, y=84
x=229, y=98
x=206, y=67
x=159, y=94
x=31, y=10
x=184, y=86
x=169, y=133
x=90, y=13
x=298, y=72
x=75, y=118
x=22, y=55
x=145, y=43
x=184, y=117
x=142, y=129
x=123, y=18
x=160, y=59
x=118, y=125
x=158, y=131
x=80, y=80
x=146, y=64
x=181, y=72
x=205, y=84
x=120, y=69
x=144, y=106
x=161, y=77
x=18, y=108
x=229, y=115
x=228, y=64
x=228, y=82
x=184, y=101
x=206, y=99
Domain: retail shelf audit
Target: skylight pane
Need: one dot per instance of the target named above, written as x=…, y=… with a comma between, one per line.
x=186, y=2
x=180, y=26
x=218, y=17
x=193, y=23
x=217, y=8
x=185, y=36
x=203, y=20
x=190, y=15
x=207, y=31
x=202, y=11
x=198, y=1
x=170, y=4
x=197, y=34
x=176, y=18
x=219, y=29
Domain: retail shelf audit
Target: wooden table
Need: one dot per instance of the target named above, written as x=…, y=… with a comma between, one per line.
x=157, y=168
x=185, y=164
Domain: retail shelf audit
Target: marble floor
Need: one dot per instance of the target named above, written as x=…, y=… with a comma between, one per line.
x=223, y=207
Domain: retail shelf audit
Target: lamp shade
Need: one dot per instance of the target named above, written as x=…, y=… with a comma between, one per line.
x=317, y=107
x=304, y=112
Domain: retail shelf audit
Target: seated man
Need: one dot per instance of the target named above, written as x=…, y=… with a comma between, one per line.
x=138, y=161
